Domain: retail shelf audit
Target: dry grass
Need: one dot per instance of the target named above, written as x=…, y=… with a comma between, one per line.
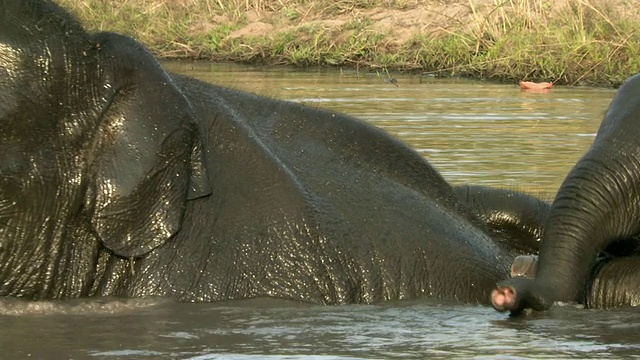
x=564, y=41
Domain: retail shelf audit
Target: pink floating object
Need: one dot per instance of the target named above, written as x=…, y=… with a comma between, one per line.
x=530, y=85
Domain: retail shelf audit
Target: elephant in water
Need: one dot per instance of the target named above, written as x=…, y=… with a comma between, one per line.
x=119, y=179
x=596, y=212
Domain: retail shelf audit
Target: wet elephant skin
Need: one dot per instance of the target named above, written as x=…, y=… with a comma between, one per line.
x=120, y=179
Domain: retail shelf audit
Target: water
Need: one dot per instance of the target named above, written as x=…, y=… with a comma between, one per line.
x=258, y=329
x=472, y=132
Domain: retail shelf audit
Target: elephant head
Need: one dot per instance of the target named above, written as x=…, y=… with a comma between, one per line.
x=95, y=139
x=596, y=208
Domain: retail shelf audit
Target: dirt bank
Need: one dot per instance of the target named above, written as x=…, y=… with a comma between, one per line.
x=564, y=41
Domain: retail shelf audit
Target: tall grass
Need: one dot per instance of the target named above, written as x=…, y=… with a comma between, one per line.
x=573, y=41
x=564, y=41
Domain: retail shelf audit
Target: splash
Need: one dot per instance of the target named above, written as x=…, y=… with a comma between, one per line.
x=18, y=307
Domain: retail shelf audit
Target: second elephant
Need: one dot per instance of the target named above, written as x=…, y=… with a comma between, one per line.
x=596, y=210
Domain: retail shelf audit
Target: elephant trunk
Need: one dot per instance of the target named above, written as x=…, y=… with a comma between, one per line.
x=589, y=212
x=596, y=205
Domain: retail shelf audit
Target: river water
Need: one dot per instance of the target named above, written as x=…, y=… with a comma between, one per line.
x=473, y=132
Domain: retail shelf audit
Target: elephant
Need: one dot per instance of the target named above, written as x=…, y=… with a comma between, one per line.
x=118, y=178
x=590, y=244
x=612, y=282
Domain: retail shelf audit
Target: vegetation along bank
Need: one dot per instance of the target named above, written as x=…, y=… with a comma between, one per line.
x=574, y=42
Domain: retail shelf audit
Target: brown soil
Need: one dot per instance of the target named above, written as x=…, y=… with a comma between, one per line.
x=427, y=17
x=564, y=41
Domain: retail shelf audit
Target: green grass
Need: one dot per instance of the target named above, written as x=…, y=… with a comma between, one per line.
x=567, y=42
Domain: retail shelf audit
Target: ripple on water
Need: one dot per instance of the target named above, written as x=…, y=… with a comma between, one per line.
x=18, y=307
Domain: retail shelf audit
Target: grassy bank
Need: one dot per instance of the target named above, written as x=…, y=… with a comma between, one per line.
x=593, y=42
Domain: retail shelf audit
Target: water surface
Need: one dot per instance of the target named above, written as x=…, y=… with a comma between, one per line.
x=472, y=132
x=258, y=329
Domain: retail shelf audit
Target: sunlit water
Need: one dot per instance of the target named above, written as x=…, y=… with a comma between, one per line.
x=473, y=133
x=258, y=329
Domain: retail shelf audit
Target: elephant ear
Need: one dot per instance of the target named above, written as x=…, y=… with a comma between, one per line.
x=147, y=159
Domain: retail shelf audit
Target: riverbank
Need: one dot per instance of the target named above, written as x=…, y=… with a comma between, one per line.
x=574, y=42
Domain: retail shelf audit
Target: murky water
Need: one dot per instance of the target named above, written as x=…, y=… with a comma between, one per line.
x=473, y=133
x=258, y=329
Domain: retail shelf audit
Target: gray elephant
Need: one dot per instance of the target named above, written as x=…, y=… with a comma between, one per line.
x=119, y=179
x=596, y=211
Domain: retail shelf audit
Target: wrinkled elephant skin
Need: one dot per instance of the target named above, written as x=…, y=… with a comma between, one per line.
x=119, y=179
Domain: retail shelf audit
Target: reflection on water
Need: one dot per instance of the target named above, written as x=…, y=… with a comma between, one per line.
x=473, y=133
